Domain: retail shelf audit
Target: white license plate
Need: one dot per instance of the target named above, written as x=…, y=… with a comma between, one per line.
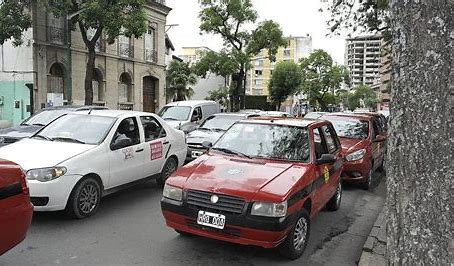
x=195, y=154
x=211, y=219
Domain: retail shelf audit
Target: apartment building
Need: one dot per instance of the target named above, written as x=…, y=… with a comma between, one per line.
x=363, y=59
x=49, y=68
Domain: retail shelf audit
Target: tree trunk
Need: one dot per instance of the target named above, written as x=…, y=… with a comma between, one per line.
x=421, y=142
x=238, y=88
x=89, y=76
x=322, y=104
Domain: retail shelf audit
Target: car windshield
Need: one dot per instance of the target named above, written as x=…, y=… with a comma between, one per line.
x=266, y=141
x=350, y=128
x=44, y=117
x=220, y=122
x=87, y=129
x=177, y=113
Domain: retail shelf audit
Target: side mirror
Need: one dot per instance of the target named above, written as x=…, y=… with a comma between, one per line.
x=379, y=138
x=121, y=143
x=326, y=158
x=207, y=144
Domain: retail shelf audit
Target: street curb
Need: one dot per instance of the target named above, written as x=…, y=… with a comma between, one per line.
x=374, y=249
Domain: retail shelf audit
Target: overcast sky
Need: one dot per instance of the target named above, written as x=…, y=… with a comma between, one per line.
x=296, y=17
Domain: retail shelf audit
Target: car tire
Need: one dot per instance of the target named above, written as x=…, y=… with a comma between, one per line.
x=368, y=182
x=335, y=201
x=169, y=167
x=84, y=199
x=295, y=243
x=184, y=234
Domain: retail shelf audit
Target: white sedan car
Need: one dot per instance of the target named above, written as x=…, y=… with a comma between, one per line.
x=76, y=159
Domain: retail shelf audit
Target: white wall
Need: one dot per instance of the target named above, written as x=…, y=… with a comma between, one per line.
x=17, y=59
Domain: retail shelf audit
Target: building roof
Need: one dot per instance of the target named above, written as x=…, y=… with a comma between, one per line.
x=169, y=43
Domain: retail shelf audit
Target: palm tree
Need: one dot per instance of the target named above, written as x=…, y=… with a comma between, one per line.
x=180, y=76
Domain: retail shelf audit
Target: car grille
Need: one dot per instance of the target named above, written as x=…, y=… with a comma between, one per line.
x=39, y=201
x=196, y=146
x=9, y=140
x=225, y=203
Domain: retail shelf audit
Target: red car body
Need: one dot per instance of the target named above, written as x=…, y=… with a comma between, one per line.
x=240, y=181
x=16, y=211
x=374, y=144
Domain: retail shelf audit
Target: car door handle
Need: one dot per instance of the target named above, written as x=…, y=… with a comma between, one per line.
x=139, y=150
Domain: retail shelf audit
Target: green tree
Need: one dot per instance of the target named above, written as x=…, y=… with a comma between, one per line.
x=285, y=81
x=14, y=19
x=108, y=18
x=353, y=101
x=221, y=95
x=321, y=76
x=180, y=76
x=231, y=19
x=367, y=95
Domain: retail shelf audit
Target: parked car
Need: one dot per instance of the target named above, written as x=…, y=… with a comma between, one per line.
x=314, y=115
x=363, y=145
x=36, y=122
x=211, y=130
x=259, y=184
x=74, y=161
x=16, y=211
x=250, y=111
x=274, y=114
x=382, y=120
x=187, y=115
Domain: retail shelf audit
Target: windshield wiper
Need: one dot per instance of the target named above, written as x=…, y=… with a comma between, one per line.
x=170, y=118
x=38, y=124
x=43, y=137
x=229, y=151
x=68, y=140
x=204, y=128
x=217, y=129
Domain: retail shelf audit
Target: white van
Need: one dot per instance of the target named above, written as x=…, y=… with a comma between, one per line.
x=187, y=115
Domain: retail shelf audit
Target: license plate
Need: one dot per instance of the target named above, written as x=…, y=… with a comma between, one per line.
x=195, y=154
x=211, y=219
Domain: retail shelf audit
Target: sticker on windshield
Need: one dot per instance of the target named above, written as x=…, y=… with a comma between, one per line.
x=129, y=153
x=326, y=174
x=156, y=150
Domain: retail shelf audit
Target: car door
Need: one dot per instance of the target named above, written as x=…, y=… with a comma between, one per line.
x=377, y=150
x=333, y=147
x=321, y=184
x=126, y=162
x=156, y=145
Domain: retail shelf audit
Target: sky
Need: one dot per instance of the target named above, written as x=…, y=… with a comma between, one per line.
x=296, y=17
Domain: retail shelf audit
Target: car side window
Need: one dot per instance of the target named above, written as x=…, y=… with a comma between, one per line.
x=319, y=142
x=153, y=130
x=128, y=129
x=330, y=140
x=376, y=129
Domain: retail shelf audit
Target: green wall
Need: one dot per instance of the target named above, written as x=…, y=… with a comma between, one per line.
x=13, y=91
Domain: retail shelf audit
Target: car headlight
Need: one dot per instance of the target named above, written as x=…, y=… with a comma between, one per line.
x=269, y=209
x=357, y=155
x=46, y=174
x=173, y=193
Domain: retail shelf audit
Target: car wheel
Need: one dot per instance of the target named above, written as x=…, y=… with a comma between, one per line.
x=368, y=182
x=169, y=167
x=85, y=198
x=295, y=243
x=334, y=203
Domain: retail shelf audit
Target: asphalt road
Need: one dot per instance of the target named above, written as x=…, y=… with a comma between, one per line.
x=129, y=229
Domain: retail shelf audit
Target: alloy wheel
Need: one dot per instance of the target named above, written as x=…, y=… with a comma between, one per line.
x=300, y=234
x=88, y=198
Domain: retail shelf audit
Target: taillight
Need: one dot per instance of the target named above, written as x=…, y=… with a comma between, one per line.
x=23, y=182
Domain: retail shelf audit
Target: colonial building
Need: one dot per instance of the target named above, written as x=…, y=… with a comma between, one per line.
x=129, y=74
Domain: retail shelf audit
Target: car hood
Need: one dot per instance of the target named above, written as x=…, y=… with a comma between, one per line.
x=19, y=132
x=349, y=144
x=199, y=136
x=34, y=153
x=174, y=124
x=237, y=176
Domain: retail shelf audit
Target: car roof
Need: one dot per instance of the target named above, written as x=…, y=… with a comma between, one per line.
x=349, y=115
x=232, y=114
x=75, y=107
x=190, y=103
x=118, y=113
x=286, y=121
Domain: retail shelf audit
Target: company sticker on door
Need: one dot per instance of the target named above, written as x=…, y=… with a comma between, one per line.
x=156, y=150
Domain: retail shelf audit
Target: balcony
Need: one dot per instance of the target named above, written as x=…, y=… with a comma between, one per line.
x=56, y=35
x=151, y=55
x=125, y=50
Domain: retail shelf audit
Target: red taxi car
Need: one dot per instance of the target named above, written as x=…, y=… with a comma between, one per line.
x=259, y=184
x=15, y=208
x=363, y=145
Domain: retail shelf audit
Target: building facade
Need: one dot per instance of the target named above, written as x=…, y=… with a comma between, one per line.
x=363, y=59
x=385, y=80
x=129, y=74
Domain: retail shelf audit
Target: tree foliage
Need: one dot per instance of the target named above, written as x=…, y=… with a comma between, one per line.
x=231, y=19
x=320, y=76
x=180, y=76
x=220, y=95
x=285, y=81
x=367, y=95
x=14, y=20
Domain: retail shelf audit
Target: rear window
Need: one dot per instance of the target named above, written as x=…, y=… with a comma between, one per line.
x=350, y=127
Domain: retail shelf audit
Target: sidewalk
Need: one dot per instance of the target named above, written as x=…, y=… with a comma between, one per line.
x=375, y=247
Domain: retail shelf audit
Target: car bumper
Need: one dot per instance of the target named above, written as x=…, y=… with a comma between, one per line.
x=53, y=195
x=15, y=222
x=239, y=229
x=194, y=153
x=356, y=170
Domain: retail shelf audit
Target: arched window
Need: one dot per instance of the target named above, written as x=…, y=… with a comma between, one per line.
x=55, y=80
x=125, y=89
x=98, y=86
